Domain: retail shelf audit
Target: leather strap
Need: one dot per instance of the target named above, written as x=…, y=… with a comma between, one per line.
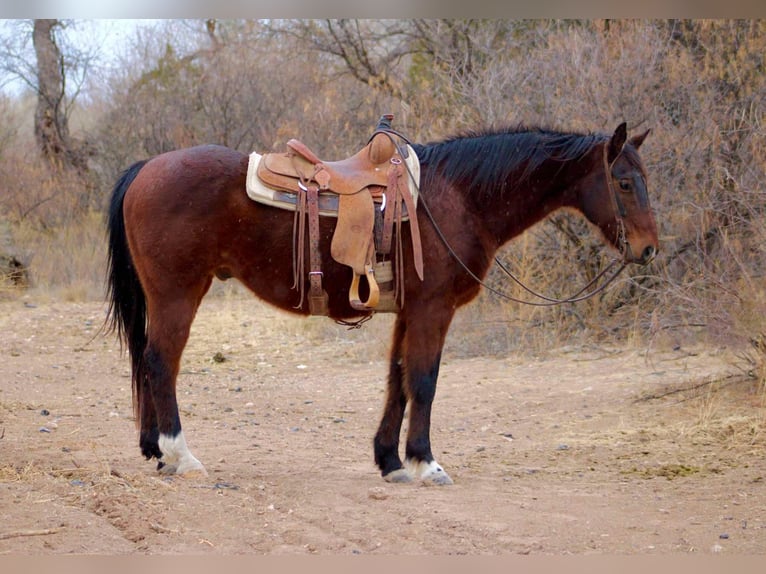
x=301, y=148
x=299, y=247
x=399, y=275
x=318, y=299
x=417, y=249
x=391, y=195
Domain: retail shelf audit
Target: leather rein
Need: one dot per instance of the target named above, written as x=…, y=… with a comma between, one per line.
x=545, y=301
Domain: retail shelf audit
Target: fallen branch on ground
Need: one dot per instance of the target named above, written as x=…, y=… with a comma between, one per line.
x=20, y=533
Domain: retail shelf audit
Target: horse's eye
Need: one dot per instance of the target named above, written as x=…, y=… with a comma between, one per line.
x=625, y=185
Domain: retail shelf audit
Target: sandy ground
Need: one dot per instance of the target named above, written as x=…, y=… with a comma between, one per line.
x=586, y=450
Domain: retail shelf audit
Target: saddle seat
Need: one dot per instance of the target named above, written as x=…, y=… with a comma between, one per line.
x=367, y=167
x=371, y=189
x=299, y=166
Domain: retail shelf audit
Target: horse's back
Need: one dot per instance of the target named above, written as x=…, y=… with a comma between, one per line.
x=198, y=165
x=185, y=179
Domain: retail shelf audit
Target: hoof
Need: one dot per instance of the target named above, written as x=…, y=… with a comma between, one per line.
x=187, y=468
x=177, y=459
x=430, y=473
x=399, y=476
x=440, y=478
x=198, y=472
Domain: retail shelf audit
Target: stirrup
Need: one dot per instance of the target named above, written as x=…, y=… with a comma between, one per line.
x=374, y=297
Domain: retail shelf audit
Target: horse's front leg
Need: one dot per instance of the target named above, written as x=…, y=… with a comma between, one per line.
x=386, y=441
x=421, y=384
x=415, y=360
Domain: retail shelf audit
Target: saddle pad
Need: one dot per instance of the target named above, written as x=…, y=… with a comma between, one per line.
x=328, y=201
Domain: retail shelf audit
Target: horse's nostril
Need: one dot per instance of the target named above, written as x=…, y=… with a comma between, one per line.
x=648, y=254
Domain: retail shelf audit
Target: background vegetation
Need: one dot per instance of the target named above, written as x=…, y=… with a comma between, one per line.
x=699, y=85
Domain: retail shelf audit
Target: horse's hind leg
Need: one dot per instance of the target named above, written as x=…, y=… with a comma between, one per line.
x=161, y=432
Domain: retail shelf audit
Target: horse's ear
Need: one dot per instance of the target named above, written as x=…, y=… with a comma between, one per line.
x=636, y=141
x=617, y=142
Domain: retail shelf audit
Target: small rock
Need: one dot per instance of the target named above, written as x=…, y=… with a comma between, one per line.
x=562, y=447
x=44, y=429
x=723, y=536
x=45, y=412
x=377, y=493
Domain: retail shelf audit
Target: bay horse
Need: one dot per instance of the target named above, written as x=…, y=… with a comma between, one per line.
x=181, y=218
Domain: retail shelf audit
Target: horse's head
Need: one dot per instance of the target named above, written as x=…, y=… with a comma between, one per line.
x=615, y=198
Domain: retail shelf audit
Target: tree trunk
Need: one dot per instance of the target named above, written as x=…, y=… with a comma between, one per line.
x=51, y=128
x=51, y=122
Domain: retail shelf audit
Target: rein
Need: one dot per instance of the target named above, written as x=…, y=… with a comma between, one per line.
x=581, y=295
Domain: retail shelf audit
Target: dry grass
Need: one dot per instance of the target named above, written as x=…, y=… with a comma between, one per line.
x=67, y=261
x=727, y=413
x=8, y=290
x=12, y=473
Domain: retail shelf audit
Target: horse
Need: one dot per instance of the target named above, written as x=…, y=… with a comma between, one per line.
x=179, y=219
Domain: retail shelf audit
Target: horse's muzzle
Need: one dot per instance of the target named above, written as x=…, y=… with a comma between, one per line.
x=647, y=255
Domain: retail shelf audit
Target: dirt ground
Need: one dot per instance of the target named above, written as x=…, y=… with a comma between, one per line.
x=583, y=451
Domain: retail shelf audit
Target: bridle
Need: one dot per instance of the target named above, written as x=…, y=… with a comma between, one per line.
x=545, y=301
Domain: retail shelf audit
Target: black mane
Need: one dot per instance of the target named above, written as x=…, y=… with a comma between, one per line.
x=482, y=159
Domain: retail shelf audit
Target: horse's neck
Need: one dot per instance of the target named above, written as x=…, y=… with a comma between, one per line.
x=525, y=200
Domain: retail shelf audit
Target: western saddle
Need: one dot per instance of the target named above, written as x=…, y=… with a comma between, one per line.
x=369, y=193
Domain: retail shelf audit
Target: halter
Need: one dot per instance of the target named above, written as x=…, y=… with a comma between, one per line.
x=618, y=208
x=619, y=214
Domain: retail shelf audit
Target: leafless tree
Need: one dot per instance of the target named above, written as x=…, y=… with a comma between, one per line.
x=55, y=76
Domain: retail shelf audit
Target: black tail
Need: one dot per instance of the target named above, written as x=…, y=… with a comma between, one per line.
x=127, y=303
